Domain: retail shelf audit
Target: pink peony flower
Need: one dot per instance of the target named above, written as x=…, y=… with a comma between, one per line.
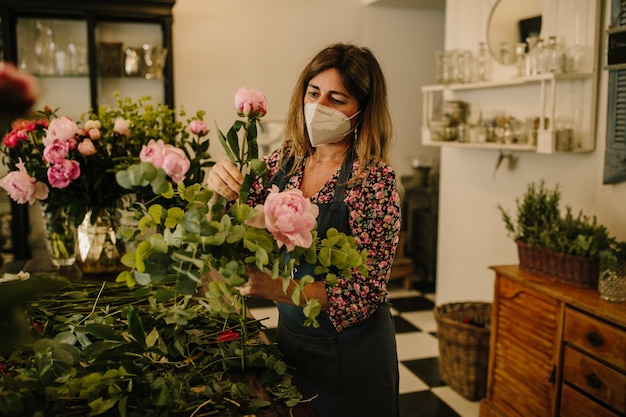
x=152, y=152
x=23, y=188
x=175, y=163
x=167, y=157
x=288, y=216
x=61, y=175
x=18, y=90
x=62, y=129
x=87, y=148
x=121, y=126
x=250, y=103
x=56, y=152
x=198, y=127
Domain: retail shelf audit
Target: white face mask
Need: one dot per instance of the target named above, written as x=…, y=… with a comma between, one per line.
x=326, y=125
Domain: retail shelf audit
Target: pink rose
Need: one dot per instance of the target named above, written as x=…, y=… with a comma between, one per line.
x=61, y=175
x=152, y=152
x=198, y=127
x=250, y=103
x=288, y=216
x=62, y=129
x=23, y=188
x=121, y=126
x=87, y=148
x=18, y=90
x=56, y=152
x=175, y=163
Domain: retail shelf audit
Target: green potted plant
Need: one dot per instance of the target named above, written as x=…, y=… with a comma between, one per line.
x=555, y=243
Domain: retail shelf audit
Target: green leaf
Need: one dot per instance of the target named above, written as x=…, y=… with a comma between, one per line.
x=135, y=325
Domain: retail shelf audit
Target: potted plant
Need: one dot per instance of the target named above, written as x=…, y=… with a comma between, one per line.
x=555, y=243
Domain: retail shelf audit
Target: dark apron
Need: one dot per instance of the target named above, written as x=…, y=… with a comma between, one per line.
x=349, y=373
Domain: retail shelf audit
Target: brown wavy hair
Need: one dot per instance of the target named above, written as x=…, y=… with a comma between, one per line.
x=363, y=78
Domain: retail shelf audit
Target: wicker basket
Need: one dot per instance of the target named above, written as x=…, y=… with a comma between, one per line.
x=569, y=269
x=463, y=347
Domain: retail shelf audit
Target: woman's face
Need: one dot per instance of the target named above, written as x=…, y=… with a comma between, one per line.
x=327, y=89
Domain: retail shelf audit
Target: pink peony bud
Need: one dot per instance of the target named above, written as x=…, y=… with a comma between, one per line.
x=121, y=126
x=198, y=127
x=87, y=148
x=250, y=103
x=92, y=124
x=94, y=134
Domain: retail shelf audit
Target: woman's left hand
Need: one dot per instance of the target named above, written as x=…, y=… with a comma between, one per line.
x=260, y=285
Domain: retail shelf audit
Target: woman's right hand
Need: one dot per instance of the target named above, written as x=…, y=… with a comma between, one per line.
x=225, y=179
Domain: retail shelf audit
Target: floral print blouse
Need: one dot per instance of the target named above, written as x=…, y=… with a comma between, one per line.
x=373, y=205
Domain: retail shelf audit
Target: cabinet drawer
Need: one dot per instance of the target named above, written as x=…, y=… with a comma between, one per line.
x=603, y=383
x=596, y=337
x=575, y=404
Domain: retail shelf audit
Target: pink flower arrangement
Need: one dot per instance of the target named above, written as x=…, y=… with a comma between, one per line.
x=72, y=166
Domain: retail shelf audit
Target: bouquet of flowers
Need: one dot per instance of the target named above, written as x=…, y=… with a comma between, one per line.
x=182, y=244
x=70, y=167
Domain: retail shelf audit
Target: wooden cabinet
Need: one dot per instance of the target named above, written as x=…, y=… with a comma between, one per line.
x=81, y=75
x=556, y=350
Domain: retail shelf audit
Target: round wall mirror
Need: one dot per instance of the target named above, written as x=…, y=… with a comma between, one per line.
x=511, y=22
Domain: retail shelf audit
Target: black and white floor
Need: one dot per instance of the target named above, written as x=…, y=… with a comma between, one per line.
x=423, y=394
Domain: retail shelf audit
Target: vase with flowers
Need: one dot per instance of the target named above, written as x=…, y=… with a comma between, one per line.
x=70, y=167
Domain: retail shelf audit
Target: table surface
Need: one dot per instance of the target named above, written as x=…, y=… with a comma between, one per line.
x=73, y=273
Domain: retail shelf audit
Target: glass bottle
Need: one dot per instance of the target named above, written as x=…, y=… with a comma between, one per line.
x=520, y=59
x=482, y=64
x=575, y=58
x=556, y=56
x=45, y=50
x=531, y=56
x=505, y=55
x=543, y=57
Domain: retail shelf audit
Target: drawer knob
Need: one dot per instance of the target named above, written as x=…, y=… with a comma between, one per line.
x=593, y=381
x=594, y=339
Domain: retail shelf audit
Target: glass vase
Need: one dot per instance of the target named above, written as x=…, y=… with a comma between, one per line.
x=60, y=236
x=612, y=279
x=97, y=249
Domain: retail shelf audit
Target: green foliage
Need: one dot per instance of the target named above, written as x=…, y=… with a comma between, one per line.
x=540, y=222
x=106, y=350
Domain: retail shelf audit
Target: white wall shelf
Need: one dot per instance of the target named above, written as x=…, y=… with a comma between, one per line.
x=544, y=99
x=424, y=4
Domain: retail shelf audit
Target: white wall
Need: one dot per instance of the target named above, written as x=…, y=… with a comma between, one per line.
x=221, y=45
x=471, y=232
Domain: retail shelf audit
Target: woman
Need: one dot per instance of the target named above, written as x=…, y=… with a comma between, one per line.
x=338, y=134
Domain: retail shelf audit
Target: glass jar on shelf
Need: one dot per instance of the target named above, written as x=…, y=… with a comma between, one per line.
x=45, y=50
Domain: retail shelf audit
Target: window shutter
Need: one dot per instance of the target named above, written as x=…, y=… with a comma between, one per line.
x=615, y=154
